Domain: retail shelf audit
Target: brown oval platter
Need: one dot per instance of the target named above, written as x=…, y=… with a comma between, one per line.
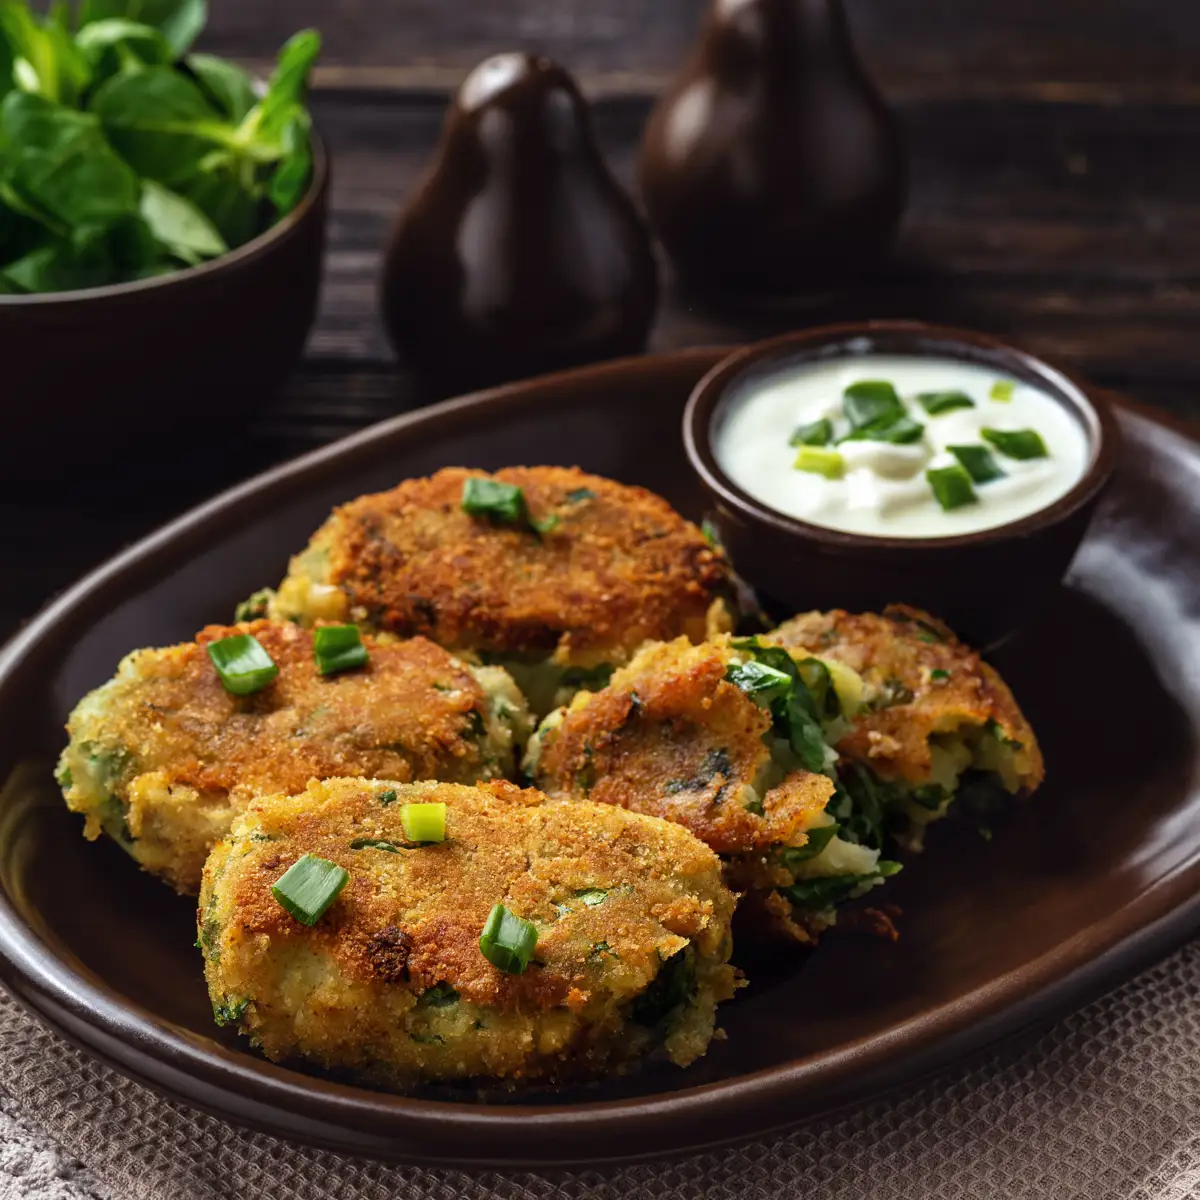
x=1080, y=887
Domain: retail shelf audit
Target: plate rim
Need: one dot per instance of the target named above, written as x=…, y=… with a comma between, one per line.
x=237, y=1086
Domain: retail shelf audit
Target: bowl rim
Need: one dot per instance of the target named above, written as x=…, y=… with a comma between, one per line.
x=1084, y=400
x=258, y=245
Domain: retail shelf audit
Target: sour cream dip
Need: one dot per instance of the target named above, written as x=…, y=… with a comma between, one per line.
x=863, y=444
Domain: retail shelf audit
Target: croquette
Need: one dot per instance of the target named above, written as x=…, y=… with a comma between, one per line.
x=682, y=733
x=560, y=588
x=390, y=985
x=935, y=721
x=162, y=756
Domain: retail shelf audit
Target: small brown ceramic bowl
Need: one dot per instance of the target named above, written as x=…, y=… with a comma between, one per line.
x=985, y=584
x=92, y=376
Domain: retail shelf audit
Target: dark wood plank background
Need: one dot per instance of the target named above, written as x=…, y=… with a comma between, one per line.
x=1056, y=199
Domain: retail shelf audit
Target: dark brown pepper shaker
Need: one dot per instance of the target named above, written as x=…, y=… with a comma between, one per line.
x=519, y=252
x=773, y=166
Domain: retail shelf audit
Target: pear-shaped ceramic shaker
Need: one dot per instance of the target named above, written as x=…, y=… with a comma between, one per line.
x=519, y=252
x=773, y=165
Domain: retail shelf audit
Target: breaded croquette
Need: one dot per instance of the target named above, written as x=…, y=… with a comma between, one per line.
x=627, y=921
x=161, y=757
x=935, y=719
x=555, y=574
x=728, y=739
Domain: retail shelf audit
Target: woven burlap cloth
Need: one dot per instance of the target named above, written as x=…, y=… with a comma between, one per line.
x=1105, y=1104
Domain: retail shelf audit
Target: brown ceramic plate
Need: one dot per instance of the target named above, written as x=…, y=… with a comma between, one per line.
x=1089, y=882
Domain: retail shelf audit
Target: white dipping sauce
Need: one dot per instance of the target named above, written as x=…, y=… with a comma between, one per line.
x=883, y=490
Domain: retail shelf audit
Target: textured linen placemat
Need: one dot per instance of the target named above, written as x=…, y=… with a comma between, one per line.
x=1104, y=1105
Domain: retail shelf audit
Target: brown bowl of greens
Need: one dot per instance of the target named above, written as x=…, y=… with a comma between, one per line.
x=161, y=229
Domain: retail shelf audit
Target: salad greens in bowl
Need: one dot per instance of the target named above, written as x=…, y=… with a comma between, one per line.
x=162, y=225
x=124, y=156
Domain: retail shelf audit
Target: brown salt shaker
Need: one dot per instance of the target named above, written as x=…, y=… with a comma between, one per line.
x=519, y=252
x=772, y=166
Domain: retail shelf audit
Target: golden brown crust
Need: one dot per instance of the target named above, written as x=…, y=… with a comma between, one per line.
x=620, y=566
x=671, y=737
x=614, y=896
x=410, y=713
x=188, y=753
x=901, y=655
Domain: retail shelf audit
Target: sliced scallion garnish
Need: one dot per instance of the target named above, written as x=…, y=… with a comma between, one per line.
x=503, y=503
x=338, y=648
x=816, y=460
x=1020, y=444
x=936, y=403
x=424, y=822
x=978, y=462
x=1002, y=390
x=309, y=886
x=869, y=401
x=951, y=487
x=899, y=430
x=815, y=433
x=242, y=664
x=508, y=941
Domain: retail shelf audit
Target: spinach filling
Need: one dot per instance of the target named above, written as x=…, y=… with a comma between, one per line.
x=674, y=985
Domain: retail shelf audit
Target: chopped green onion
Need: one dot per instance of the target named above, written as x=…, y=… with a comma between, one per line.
x=898, y=430
x=309, y=886
x=387, y=797
x=817, y=461
x=978, y=462
x=951, y=486
x=1002, y=390
x=503, y=503
x=936, y=403
x=763, y=684
x=338, y=648
x=378, y=844
x=871, y=400
x=424, y=822
x=508, y=941
x=579, y=495
x=592, y=896
x=709, y=530
x=493, y=499
x=938, y=675
x=242, y=663
x=1017, y=443
x=816, y=433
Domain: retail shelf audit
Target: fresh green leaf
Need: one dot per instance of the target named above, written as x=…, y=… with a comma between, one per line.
x=44, y=59
x=160, y=122
x=179, y=21
x=764, y=685
x=230, y=89
x=227, y=194
x=179, y=225
x=826, y=891
x=117, y=44
x=290, y=180
x=287, y=88
x=59, y=160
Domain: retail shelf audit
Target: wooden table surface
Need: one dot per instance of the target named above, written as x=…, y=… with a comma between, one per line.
x=1058, y=207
